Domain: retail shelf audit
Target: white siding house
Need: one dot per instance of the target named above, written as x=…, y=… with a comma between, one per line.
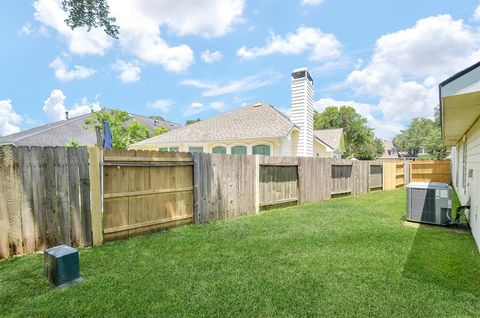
x=460, y=113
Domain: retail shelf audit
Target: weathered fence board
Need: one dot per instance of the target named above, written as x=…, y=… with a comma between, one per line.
x=376, y=176
x=40, y=200
x=278, y=182
x=145, y=191
x=342, y=177
x=224, y=186
x=314, y=179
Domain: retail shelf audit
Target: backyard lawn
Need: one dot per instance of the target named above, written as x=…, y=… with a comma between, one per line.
x=350, y=256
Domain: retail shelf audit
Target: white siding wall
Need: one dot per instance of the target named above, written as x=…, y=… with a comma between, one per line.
x=466, y=177
x=302, y=114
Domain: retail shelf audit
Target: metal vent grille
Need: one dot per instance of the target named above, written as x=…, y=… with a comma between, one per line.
x=423, y=205
x=429, y=202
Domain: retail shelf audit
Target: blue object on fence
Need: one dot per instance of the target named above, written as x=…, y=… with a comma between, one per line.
x=107, y=135
x=62, y=265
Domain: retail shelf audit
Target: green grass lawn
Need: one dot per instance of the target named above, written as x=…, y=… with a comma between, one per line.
x=350, y=256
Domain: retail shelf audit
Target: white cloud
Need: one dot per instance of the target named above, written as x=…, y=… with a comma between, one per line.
x=320, y=45
x=210, y=57
x=9, y=119
x=311, y=2
x=26, y=29
x=128, y=71
x=406, y=67
x=54, y=106
x=218, y=106
x=51, y=14
x=64, y=74
x=476, y=15
x=241, y=85
x=162, y=104
x=193, y=108
x=141, y=23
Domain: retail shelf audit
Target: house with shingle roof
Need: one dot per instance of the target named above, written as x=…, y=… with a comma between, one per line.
x=257, y=129
x=73, y=129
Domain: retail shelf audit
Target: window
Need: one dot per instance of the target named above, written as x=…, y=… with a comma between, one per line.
x=195, y=149
x=261, y=150
x=239, y=150
x=219, y=149
x=172, y=149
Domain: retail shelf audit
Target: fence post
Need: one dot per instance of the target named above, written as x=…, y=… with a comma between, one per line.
x=406, y=172
x=257, y=184
x=4, y=224
x=196, y=188
x=95, y=158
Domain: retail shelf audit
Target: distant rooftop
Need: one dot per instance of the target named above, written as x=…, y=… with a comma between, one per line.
x=65, y=131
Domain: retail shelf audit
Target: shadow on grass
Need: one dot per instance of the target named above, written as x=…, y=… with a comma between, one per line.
x=445, y=257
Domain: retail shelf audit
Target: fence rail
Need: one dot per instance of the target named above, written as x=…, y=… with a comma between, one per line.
x=82, y=197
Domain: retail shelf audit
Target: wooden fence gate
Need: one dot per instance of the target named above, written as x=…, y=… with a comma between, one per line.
x=145, y=191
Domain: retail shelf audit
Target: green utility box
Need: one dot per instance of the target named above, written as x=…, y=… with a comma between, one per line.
x=62, y=265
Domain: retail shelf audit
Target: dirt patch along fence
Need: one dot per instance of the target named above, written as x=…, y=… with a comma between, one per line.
x=46, y=198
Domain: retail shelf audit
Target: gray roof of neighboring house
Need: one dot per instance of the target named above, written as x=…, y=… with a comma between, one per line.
x=64, y=131
x=331, y=137
x=387, y=150
x=258, y=120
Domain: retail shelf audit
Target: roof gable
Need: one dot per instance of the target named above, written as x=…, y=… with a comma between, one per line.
x=332, y=137
x=249, y=122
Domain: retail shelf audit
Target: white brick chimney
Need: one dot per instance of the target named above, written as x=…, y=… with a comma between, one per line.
x=302, y=110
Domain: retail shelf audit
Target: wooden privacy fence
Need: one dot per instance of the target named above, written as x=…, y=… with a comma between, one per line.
x=82, y=197
x=231, y=185
x=45, y=198
x=430, y=171
x=278, y=181
x=400, y=173
x=145, y=191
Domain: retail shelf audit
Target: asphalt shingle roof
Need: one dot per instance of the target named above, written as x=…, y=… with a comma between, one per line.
x=249, y=122
x=331, y=137
x=64, y=131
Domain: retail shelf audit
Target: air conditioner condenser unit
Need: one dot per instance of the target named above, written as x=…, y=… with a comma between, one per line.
x=429, y=202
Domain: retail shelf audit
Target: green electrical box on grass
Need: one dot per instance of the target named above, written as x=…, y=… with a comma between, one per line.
x=62, y=265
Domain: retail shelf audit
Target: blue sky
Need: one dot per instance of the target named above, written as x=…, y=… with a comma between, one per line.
x=197, y=58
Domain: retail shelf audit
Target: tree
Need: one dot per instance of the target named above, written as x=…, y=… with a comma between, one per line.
x=157, y=117
x=192, y=121
x=124, y=131
x=360, y=142
x=90, y=14
x=422, y=132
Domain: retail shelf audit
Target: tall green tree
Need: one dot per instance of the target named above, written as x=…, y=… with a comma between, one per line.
x=125, y=131
x=360, y=141
x=422, y=132
x=192, y=121
x=90, y=14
